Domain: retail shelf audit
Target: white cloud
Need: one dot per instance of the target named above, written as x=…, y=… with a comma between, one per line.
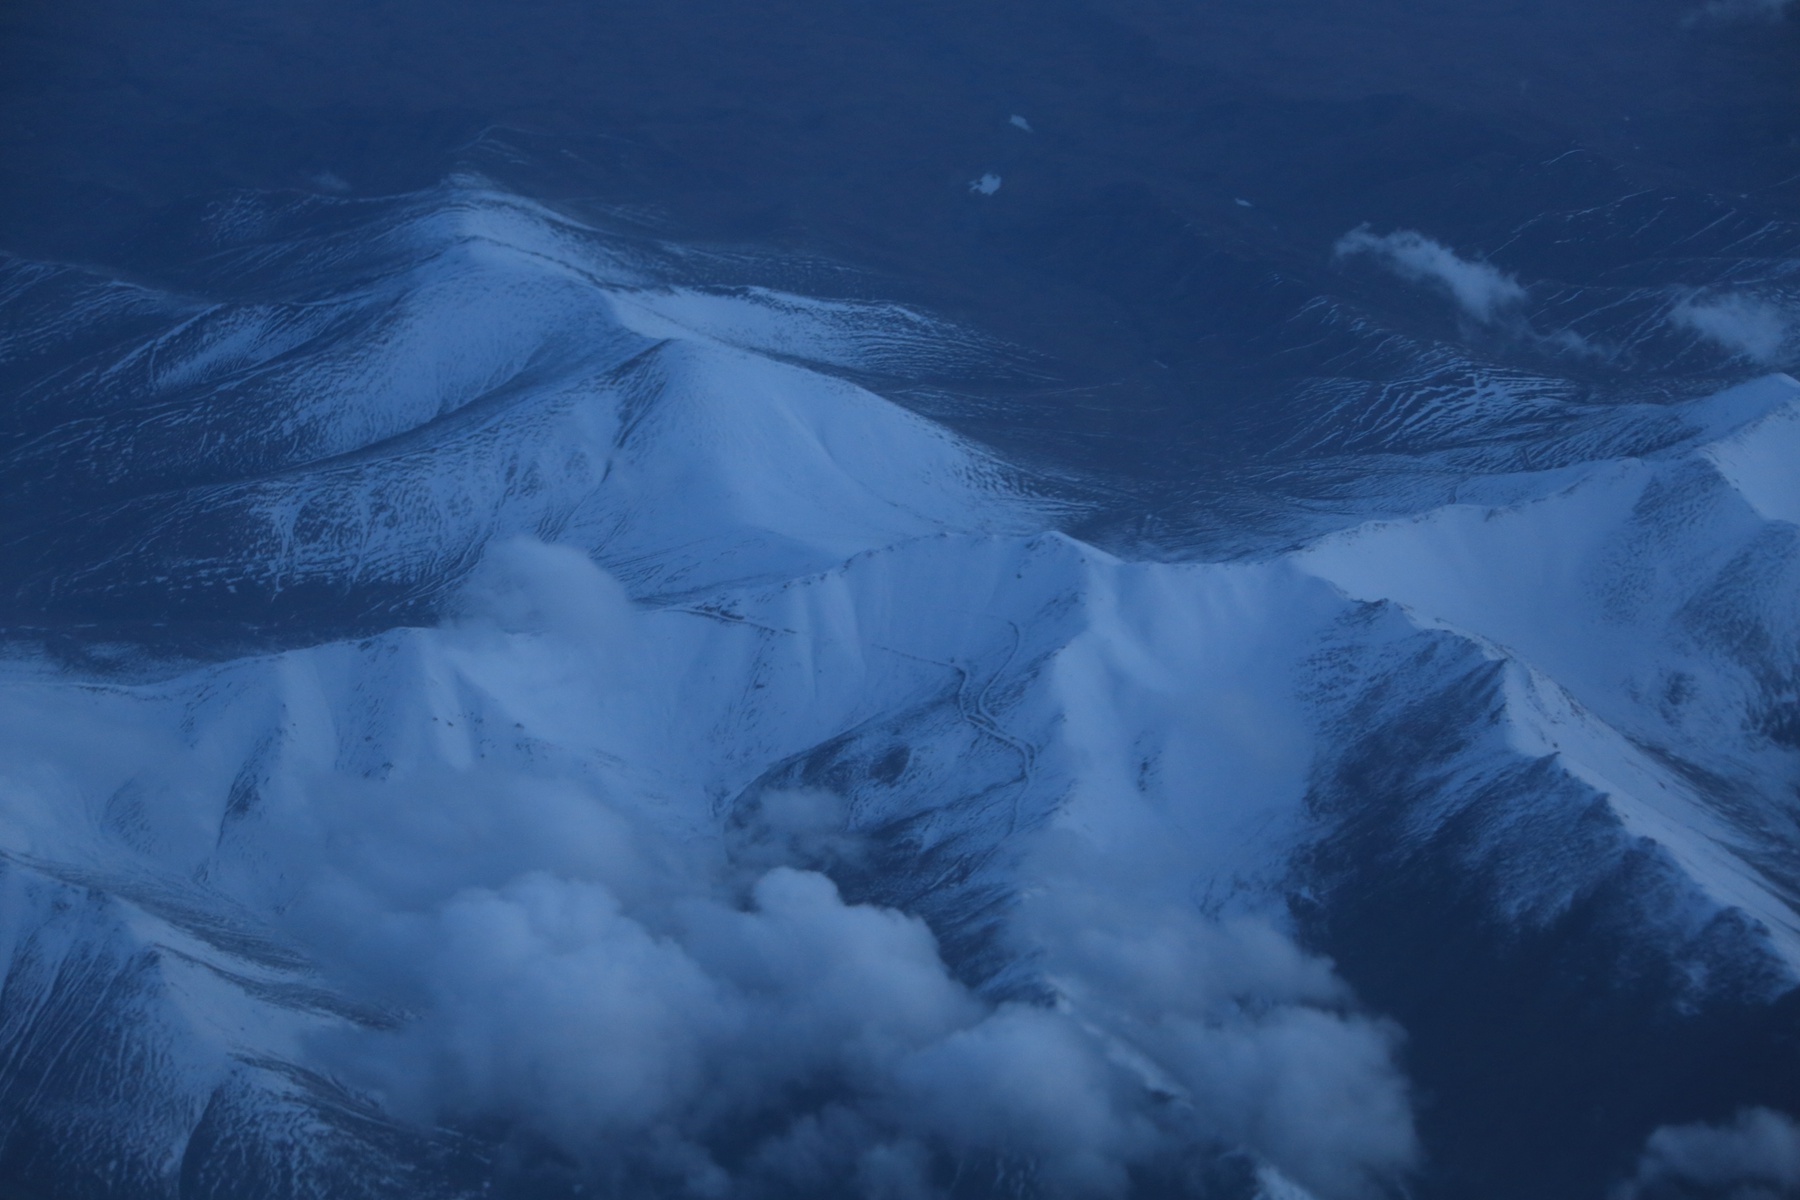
x=1032, y=1079
x=1755, y=1156
x=1739, y=323
x=1484, y=292
x=684, y=1012
x=1257, y=1039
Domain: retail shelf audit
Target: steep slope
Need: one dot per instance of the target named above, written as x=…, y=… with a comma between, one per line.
x=368, y=392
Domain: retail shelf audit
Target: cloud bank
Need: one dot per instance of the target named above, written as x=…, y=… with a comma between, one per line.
x=1755, y=1156
x=656, y=1010
x=1484, y=292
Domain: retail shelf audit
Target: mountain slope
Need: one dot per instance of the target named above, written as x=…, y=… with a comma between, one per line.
x=664, y=765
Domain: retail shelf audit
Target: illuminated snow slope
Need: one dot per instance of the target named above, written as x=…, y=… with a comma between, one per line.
x=617, y=872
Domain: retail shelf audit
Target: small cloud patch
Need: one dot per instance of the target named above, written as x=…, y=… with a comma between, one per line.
x=1741, y=324
x=987, y=185
x=1484, y=292
x=1754, y=1157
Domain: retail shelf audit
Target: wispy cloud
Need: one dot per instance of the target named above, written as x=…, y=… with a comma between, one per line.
x=1755, y=1156
x=1742, y=324
x=1481, y=290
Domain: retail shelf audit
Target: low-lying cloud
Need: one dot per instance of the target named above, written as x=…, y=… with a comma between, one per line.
x=677, y=1013
x=1483, y=291
x=1740, y=324
x=1755, y=1156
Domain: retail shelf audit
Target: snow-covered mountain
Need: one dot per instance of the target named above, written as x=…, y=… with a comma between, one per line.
x=642, y=758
